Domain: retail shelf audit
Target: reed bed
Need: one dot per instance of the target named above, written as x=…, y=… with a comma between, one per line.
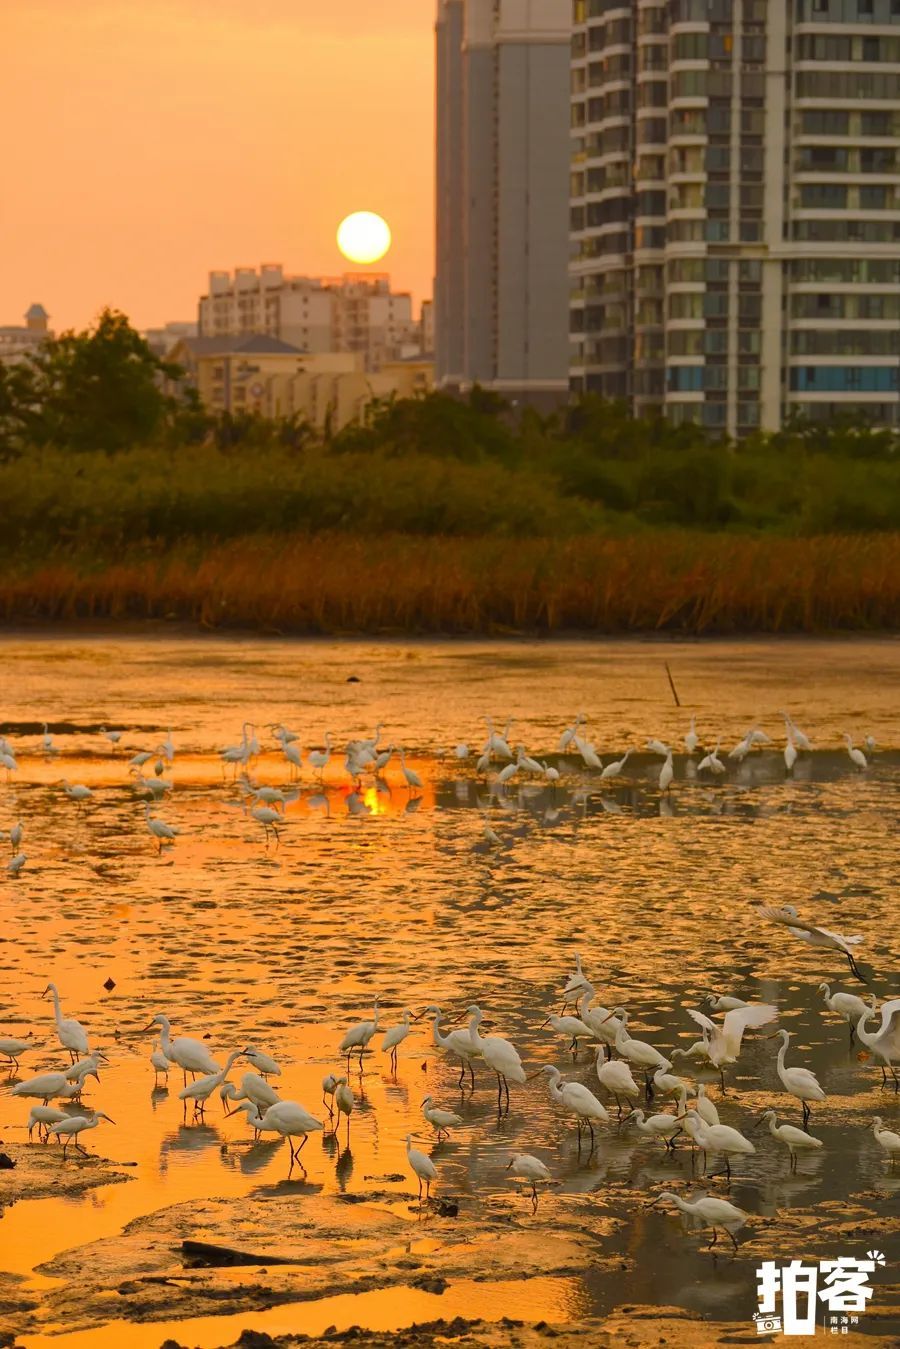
x=656, y=581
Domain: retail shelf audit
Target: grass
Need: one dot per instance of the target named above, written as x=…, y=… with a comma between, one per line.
x=677, y=581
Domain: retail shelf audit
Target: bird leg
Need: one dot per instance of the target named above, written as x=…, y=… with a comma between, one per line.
x=715, y=1237
x=806, y=1113
x=327, y=1104
x=648, y=1088
x=462, y=1074
x=506, y=1088
x=591, y=1127
x=722, y=1080
x=733, y=1240
x=471, y=1073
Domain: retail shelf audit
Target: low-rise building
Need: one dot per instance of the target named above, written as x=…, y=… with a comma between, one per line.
x=20, y=340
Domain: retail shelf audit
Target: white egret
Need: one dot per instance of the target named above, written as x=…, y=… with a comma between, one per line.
x=692, y=739
x=742, y=748
x=162, y=832
x=799, y=1082
x=575, y=983
x=112, y=736
x=294, y=757
x=720, y=1138
x=86, y=1067
x=614, y=769
x=704, y=1107
x=884, y=1043
x=270, y=819
x=461, y=751
x=507, y=774
x=458, y=1042
x=790, y=754
x=711, y=763
x=191, y=1055
x=383, y=759
x=887, y=1139
x=411, y=777
x=526, y=763
x=712, y=1212
x=76, y=792
x=576, y=1098
x=526, y=1167
x=570, y=734
x=551, y=774
x=263, y=1063
x=200, y=1090
x=70, y=1129
x=638, y=1052
x=16, y=834
x=658, y=747
x=142, y=757
x=871, y=743
x=441, y=1120
x=422, y=1167
x=498, y=1054
x=668, y=1084
x=589, y=754
x=253, y=1088
x=795, y=1140
x=159, y=1063
x=812, y=935
x=319, y=758
x=848, y=1005
x=71, y=1033
x=167, y=747
x=572, y=1027
x=723, y=1002
x=13, y=1049
x=664, y=1127
x=344, y=1103
x=857, y=758
x=41, y=1117
x=666, y=774
x=395, y=1036
x=358, y=1036
x=16, y=864
x=329, y=1087
x=724, y=1042
x=50, y=1087
x=286, y=1118
x=615, y=1076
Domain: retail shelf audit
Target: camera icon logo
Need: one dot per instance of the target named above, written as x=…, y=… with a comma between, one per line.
x=767, y=1325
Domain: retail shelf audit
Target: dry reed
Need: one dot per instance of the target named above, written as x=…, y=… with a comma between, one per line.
x=654, y=581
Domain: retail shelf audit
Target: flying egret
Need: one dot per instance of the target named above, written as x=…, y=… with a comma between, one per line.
x=724, y=1042
x=812, y=935
x=162, y=832
x=422, y=1167
x=200, y=1090
x=69, y=1129
x=41, y=1117
x=159, y=1063
x=358, y=1036
x=887, y=1139
x=712, y=1212
x=71, y=1033
x=692, y=739
x=576, y=1098
x=395, y=1036
x=847, y=1005
x=884, y=1043
x=615, y=1076
x=720, y=1138
x=441, y=1120
x=12, y=1049
x=526, y=1167
x=799, y=1082
x=664, y=1127
x=191, y=1055
x=857, y=758
x=458, y=1042
x=263, y=1063
x=795, y=1140
x=498, y=1054
x=286, y=1118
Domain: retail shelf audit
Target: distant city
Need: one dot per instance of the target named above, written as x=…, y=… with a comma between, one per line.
x=690, y=206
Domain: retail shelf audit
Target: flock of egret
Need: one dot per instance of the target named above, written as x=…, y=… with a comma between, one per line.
x=498, y=761
x=626, y=1070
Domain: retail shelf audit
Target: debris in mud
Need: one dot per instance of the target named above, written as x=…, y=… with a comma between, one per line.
x=6, y=1162
x=445, y=1208
x=204, y=1254
x=109, y=984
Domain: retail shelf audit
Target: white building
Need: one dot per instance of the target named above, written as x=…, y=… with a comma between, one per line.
x=736, y=208
x=502, y=196
x=20, y=340
x=357, y=312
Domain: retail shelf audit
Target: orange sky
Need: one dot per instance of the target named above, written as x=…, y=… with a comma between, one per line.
x=144, y=144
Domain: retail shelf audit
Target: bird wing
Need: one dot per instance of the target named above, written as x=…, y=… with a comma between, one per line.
x=740, y=1019
x=702, y=1020
x=794, y=922
x=890, y=1018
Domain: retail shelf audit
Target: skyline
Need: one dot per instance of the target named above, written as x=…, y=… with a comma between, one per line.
x=173, y=151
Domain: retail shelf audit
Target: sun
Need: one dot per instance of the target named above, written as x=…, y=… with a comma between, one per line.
x=364, y=237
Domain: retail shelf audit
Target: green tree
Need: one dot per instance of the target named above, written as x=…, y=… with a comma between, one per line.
x=101, y=389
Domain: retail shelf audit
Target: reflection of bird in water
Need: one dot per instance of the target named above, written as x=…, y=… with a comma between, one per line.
x=718, y=1214
x=343, y=1171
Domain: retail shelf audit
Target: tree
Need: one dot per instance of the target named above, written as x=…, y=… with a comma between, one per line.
x=101, y=389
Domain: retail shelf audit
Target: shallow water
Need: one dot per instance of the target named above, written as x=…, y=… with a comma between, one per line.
x=391, y=892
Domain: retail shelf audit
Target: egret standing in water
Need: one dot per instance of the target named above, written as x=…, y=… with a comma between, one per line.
x=72, y=1035
x=191, y=1055
x=795, y=1140
x=887, y=1139
x=286, y=1118
x=526, y=1167
x=884, y=1043
x=497, y=1053
x=800, y=1082
x=847, y=1005
x=458, y=1042
x=857, y=758
x=358, y=1036
x=394, y=1038
x=576, y=1099
x=162, y=832
x=441, y=1120
x=12, y=1050
x=422, y=1167
x=68, y=1129
x=712, y=1212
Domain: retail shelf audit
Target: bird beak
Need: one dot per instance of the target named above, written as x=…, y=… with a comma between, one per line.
x=759, y=1123
x=146, y=1028
x=508, y=1167
x=532, y=1076
x=46, y=991
x=652, y=1202
x=108, y=1120
x=775, y=1036
x=544, y=1023
x=608, y=1018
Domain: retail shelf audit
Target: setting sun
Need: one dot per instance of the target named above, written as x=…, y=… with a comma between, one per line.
x=364, y=237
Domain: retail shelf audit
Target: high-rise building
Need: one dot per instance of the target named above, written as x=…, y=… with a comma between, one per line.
x=501, y=285
x=736, y=208
x=357, y=312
